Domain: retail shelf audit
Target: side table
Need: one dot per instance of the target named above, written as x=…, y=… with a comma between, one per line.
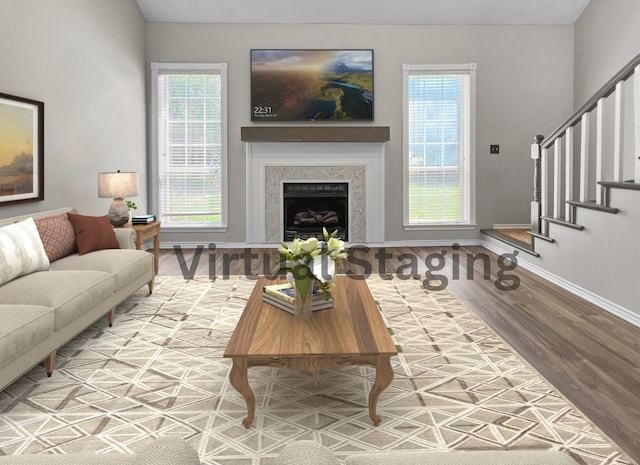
x=145, y=232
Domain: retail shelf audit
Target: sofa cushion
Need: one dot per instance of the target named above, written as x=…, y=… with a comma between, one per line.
x=125, y=264
x=93, y=233
x=306, y=452
x=161, y=451
x=57, y=235
x=21, y=250
x=23, y=327
x=480, y=457
x=70, y=293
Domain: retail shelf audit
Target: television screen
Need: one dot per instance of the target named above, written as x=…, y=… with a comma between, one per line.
x=311, y=85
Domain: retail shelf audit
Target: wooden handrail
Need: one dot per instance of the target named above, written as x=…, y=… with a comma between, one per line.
x=604, y=91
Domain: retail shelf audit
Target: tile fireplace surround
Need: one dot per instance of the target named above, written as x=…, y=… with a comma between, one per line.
x=272, y=163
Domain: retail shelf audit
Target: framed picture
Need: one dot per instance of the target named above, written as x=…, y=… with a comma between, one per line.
x=311, y=85
x=21, y=150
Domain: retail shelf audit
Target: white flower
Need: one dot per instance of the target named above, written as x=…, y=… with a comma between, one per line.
x=309, y=245
x=335, y=248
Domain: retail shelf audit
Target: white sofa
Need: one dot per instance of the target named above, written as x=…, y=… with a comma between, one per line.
x=163, y=451
x=313, y=453
x=42, y=310
x=168, y=451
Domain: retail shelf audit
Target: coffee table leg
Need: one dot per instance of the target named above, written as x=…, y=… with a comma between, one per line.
x=238, y=379
x=384, y=376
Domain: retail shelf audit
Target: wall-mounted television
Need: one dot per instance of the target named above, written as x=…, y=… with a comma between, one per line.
x=311, y=85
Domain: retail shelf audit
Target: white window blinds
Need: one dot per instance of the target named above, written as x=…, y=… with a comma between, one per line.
x=191, y=148
x=438, y=104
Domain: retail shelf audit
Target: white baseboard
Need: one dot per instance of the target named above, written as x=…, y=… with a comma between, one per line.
x=611, y=307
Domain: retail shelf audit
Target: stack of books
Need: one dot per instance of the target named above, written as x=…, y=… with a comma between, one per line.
x=143, y=219
x=282, y=296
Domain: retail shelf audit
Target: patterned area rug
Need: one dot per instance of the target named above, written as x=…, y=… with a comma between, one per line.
x=159, y=372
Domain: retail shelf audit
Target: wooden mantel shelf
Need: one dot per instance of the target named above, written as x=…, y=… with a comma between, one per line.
x=314, y=133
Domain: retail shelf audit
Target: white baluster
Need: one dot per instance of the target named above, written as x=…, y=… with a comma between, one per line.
x=636, y=117
x=584, y=158
x=568, y=171
x=557, y=173
x=618, y=132
x=599, y=148
x=544, y=188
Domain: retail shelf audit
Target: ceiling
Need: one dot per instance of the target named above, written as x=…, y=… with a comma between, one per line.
x=365, y=11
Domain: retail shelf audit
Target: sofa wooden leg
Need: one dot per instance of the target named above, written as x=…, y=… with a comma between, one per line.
x=111, y=316
x=49, y=362
x=150, y=284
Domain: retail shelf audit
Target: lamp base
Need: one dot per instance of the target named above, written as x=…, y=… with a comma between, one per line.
x=118, y=213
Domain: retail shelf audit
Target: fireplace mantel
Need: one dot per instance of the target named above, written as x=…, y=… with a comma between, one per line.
x=314, y=133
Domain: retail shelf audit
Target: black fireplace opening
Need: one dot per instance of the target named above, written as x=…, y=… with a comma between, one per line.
x=310, y=206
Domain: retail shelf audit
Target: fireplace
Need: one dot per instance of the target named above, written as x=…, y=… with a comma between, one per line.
x=271, y=164
x=308, y=207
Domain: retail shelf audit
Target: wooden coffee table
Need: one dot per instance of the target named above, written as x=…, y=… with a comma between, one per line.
x=350, y=333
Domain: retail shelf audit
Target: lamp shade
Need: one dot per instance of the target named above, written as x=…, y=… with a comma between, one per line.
x=117, y=185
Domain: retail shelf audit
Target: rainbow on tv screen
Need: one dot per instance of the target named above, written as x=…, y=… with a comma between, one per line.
x=311, y=85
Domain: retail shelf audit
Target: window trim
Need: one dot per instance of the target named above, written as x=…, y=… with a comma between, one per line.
x=461, y=68
x=158, y=68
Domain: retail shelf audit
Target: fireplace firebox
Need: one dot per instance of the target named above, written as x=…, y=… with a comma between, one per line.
x=311, y=206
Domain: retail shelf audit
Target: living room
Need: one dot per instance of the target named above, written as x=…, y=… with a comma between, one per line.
x=89, y=61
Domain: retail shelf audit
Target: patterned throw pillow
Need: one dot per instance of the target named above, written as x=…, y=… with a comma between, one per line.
x=21, y=250
x=57, y=235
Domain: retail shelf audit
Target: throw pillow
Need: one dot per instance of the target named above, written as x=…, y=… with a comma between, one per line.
x=21, y=250
x=57, y=235
x=93, y=233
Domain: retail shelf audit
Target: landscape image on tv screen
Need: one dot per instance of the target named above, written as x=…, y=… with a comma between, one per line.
x=308, y=85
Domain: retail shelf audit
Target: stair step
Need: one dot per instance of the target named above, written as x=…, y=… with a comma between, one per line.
x=630, y=185
x=528, y=248
x=562, y=222
x=542, y=237
x=591, y=205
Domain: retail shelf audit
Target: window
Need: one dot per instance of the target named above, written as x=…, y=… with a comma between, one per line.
x=189, y=144
x=438, y=130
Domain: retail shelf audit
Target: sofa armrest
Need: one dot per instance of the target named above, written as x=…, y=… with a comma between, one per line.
x=126, y=238
x=168, y=451
x=306, y=453
x=162, y=451
x=457, y=457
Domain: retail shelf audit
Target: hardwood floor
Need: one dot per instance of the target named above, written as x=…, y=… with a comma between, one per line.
x=589, y=355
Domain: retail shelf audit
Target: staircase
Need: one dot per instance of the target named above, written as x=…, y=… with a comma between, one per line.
x=585, y=212
x=595, y=151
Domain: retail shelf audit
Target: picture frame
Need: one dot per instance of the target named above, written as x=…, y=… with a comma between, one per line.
x=21, y=150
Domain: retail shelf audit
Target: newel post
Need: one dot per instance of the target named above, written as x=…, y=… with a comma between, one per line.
x=536, y=155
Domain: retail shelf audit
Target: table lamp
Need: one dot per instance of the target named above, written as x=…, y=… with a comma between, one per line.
x=117, y=186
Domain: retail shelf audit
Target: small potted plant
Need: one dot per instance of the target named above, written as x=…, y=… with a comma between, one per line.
x=132, y=206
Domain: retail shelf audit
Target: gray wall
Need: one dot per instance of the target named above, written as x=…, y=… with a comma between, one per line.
x=85, y=60
x=607, y=36
x=524, y=87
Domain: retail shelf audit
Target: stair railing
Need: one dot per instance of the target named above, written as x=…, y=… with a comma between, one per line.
x=588, y=154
